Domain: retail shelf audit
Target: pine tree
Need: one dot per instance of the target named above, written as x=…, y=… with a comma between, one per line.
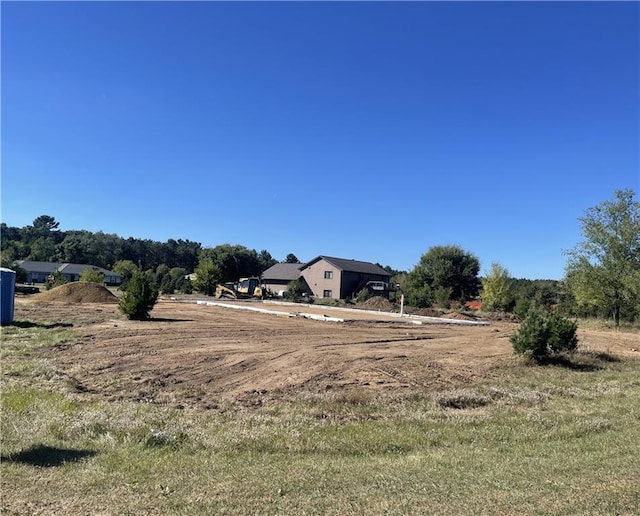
x=139, y=298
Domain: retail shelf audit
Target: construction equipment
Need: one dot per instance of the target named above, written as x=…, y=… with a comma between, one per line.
x=245, y=288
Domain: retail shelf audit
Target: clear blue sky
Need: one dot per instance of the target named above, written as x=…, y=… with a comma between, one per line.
x=365, y=130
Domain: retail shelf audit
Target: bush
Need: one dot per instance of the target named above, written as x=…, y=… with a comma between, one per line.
x=542, y=334
x=522, y=308
x=92, y=275
x=55, y=280
x=167, y=285
x=363, y=295
x=443, y=297
x=139, y=298
x=563, y=336
x=296, y=291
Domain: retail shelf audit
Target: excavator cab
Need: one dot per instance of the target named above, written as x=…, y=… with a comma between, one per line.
x=250, y=287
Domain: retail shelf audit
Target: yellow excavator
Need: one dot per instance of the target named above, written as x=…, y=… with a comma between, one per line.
x=245, y=288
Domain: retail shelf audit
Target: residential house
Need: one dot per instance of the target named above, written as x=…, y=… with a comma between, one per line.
x=339, y=278
x=38, y=272
x=277, y=277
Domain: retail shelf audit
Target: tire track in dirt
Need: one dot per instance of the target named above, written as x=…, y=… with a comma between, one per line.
x=192, y=355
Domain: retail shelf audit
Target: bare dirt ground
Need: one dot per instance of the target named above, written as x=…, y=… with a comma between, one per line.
x=200, y=356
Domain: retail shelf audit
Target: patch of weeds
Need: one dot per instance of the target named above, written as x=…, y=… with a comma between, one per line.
x=519, y=397
x=462, y=399
x=397, y=449
x=18, y=341
x=357, y=397
x=608, y=324
x=20, y=401
x=58, y=430
x=163, y=439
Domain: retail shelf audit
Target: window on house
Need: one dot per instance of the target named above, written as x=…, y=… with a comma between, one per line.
x=327, y=293
x=328, y=274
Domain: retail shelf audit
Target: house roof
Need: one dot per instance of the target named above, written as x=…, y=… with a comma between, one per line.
x=33, y=266
x=282, y=271
x=76, y=268
x=350, y=265
x=65, y=268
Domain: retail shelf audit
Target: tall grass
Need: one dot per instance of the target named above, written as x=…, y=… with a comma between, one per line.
x=539, y=440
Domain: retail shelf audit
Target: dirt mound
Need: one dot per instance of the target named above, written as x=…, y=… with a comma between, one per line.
x=459, y=316
x=377, y=303
x=78, y=292
x=502, y=316
x=426, y=312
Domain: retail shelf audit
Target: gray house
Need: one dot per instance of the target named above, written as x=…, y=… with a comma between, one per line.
x=38, y=272
x=339, y=278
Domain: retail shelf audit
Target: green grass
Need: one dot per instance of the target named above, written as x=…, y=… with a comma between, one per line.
x=608, y=324
x=541, y=440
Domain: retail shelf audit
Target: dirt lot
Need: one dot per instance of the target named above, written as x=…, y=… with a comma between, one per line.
x=201, y=356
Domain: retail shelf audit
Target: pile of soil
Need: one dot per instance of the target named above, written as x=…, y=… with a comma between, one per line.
x=78, y=292
x=502, y=316
x=459, y=316
x=427, y=312
x=377, y=303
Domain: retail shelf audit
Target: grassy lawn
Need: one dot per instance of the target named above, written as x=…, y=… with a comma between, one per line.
x=541, y=440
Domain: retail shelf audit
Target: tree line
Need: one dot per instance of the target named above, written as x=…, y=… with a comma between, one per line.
x=44, y=241
x=602, y=273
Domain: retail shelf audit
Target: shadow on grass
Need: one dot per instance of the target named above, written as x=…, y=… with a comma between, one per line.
x=31, y=324
x=47, y=456
x=585, y=362
x=604, y=356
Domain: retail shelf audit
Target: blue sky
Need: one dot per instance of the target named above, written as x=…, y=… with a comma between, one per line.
x=365, y=130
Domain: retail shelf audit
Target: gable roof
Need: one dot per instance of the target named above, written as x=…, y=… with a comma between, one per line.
x=65, y=268
x=282, y=271
x=34, y=266
x=350, y=265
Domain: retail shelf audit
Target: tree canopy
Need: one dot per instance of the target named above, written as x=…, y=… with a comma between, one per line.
x=207, y=276
x=603, y=270
x=291, y=258
x=443, y=273
x=497, y=289
x=233, y=261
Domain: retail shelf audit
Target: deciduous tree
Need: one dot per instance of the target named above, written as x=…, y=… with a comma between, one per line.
x=603, y=271
x=207, y=276
x=497, y=289
x=444, y=267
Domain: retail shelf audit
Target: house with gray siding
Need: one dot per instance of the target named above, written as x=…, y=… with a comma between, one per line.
x=38, y=272
x=340, y=278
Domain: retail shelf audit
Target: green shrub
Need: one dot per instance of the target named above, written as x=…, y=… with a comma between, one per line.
x=443, y=297
x=363, y=295
x=562, y=334
x=92, y=275
x=522, y=308
x=296, y=291
x=542, y=334
x=139, y=298
x=167, y=285
x=55, y=280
